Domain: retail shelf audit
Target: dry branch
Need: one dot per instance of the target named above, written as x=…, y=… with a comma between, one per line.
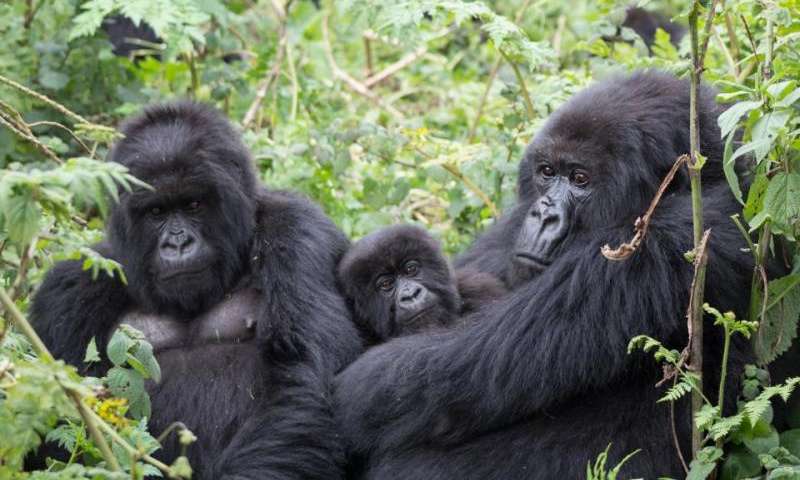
x=641, y=225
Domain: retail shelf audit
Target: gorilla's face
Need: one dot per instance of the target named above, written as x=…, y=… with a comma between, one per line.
x=185, y=242
x=562, y=182
x=399, y=282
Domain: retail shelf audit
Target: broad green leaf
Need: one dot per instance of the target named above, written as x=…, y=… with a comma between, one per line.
x=118, y=346
x=779, y=327
x=782, y=204
x=740, y=463
x=22, y=217
x=728, y=119
x=766, y=130
x=790, y=440
x=144, y=355
x=755, y=196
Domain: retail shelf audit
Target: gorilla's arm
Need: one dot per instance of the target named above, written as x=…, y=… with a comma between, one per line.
x=295, y=436
x=478, y=289
x=561, y=335
x=70, y=308
x=296, y=250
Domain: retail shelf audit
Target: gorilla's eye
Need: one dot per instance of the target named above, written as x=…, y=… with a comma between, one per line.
x=547, y=171
x=155, y=211
x=411, y=267
x=385, y=283
x=193, y=205
x=579, y=178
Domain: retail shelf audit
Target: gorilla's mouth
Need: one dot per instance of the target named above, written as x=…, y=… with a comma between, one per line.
x=413, y=319
x=532, y=261
x=185, y=272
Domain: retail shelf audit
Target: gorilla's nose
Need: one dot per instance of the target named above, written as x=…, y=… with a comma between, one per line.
x=410, y=295
x=177, y=245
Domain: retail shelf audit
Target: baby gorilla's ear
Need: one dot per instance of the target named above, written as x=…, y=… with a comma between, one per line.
x=477, y=289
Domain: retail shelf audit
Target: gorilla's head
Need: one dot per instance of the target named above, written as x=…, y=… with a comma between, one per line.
x=184, y=243
x=399, y=282
x=598, y=161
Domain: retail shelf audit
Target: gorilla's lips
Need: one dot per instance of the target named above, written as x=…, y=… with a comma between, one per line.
x=529, y=260
x=183, y=272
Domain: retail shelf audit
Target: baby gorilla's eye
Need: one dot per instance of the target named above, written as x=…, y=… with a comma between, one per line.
x=193, y=205
x=385, y=283
x=579, y=178
x=155, y=211
x=411, y=267
x=547, y=171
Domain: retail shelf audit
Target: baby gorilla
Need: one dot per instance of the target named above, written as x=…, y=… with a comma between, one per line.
x=398, y=282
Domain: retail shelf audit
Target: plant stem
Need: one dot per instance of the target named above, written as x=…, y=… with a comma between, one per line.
x=89, y=418
x=696, y=306
x=522, y=87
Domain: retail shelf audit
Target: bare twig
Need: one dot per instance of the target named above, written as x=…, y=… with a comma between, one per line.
x=6, y=121
x=701, y=54
x=492, y=76
x=641, y=224
x=387, y=72
x=43, y=98
x=273, y=73
x=526, y=97
x=351, y=82
x=734, y=42
x=293, y=79
x=368, y=36
x=67, y=129
x=728, y=56
x=675, y=439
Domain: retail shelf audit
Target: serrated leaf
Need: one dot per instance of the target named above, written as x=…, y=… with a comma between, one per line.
x=144, y=354
x=779, y=327
x=118, y=346
x=22, y=215
x=782, y=204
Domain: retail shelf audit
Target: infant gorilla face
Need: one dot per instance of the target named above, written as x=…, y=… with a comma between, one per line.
x=399, y=282
x=414, y=305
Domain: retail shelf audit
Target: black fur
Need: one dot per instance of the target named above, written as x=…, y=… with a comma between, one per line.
x=383, y=255
x=542, y=383
x=261, y=409
x=645, y=23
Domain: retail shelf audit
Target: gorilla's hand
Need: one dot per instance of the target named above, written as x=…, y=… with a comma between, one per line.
x=393, y=396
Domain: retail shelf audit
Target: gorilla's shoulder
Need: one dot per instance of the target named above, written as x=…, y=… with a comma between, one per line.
x=295, y=214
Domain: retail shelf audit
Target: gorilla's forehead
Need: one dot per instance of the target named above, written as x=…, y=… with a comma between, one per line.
x=386, y=251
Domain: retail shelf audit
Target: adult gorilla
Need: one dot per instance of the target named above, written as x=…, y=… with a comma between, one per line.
x=249, y=374
x=542, y=383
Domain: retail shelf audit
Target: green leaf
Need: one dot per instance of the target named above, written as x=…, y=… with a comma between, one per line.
x=118, y=346
x=22, y=217
x=790, y=440
x=144, y=355
x=779, y=326
x=740, y=463
x=755, y=196
x=766, y=130
x=782, y=204
x=729, y=168
x=92, y=355
x=728, y=119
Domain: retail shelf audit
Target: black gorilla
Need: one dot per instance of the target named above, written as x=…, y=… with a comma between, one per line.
x=399, y=282
x=645, y=23
x=542, y=383
x=250, y=374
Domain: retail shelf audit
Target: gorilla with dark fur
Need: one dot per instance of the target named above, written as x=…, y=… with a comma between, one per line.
x=542, y=383
x=235, y=286
x=399, y=282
